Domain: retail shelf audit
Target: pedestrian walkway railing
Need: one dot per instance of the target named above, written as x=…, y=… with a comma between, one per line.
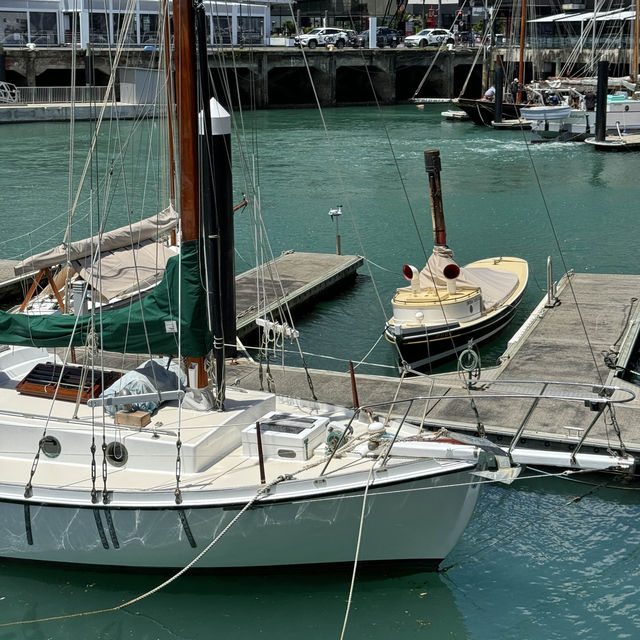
x=51, y=95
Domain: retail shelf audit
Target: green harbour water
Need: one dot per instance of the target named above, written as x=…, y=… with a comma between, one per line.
x=535, y=563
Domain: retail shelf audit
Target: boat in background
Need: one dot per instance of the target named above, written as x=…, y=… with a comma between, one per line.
x=447, y=306
x=107, y=271
x=482, y=111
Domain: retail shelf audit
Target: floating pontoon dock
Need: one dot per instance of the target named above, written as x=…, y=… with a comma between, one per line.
x=630, y=142
x=561, y=341
x=290, y=280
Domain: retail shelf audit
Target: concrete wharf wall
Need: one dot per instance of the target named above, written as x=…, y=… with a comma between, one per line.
x=277, y=76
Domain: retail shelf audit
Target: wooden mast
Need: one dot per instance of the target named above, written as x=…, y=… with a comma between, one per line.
x=187, y=111
x=188, y=191
x=636, y=42
x=170, y=102
x=523, y=34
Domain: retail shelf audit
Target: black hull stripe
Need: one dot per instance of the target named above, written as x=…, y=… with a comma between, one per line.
x=366, y=568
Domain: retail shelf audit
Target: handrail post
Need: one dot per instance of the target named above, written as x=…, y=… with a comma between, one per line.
x=263, y=479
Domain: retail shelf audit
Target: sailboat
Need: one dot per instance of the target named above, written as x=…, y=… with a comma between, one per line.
x=138, y=469
x=446, y=306
x=130, y=261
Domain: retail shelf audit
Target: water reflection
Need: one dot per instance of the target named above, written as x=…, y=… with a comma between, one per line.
x=282, y=606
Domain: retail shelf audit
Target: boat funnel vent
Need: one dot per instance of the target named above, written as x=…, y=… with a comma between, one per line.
x=412, y=275
x=451, y=273
x=79, y=296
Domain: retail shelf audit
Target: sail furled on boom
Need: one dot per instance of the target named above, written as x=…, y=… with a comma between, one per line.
x=149, y=325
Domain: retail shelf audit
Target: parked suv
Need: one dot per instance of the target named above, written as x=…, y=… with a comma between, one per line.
x=428, y=37
x=321, y=37
x=385, y=37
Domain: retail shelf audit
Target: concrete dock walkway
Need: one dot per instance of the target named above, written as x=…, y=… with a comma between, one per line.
x=566, y=342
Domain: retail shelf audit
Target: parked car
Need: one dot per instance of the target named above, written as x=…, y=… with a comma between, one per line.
x=385, y=37
x=428, y=37
x=321, y=37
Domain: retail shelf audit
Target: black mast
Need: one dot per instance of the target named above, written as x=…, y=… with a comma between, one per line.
x=216, y=207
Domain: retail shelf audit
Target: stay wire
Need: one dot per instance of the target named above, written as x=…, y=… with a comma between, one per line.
x=562, y=258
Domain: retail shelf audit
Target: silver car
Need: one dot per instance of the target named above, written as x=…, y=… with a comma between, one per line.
x=321, y=37
x=428, y=37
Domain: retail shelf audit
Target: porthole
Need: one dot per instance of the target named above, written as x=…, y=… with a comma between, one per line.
x=50, y=446
x=286, y=453
x=116, y=454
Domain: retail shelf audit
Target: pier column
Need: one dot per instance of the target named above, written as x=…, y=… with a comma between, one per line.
x=558, y=65
x=31, y=69
x=326, y=88
x=262, y=69
x=447, y=78
x=386, y=82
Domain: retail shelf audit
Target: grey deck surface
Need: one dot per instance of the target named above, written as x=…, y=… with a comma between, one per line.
x=294, y=277
x=555, y=349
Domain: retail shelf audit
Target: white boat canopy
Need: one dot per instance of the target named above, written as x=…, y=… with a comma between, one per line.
x=620, y=15
x=125, y=237
x=496, y=285
x=589, y=15
x=552, y=18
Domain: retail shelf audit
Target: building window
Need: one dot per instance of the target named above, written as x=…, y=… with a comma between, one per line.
x=119, y=20
x=13, y=28
x=250, y=30
x=44, y=28
x=98, y=29
x=148, y=28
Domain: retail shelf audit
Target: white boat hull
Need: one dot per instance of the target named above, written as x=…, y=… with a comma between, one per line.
x=405, y=522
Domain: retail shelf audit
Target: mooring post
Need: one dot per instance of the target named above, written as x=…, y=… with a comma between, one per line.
x=601, y=100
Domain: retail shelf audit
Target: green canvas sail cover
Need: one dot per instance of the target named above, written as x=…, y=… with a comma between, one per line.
x=149, y=325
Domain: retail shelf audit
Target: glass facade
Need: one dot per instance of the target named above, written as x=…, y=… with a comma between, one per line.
x=43, y=27
x=119, y=22
x=148, y=28
x=13, y=28
x=101, y=21
x=98, y=29
x=250, y=30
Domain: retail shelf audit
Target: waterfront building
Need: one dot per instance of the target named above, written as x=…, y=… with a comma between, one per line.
x=99, y=22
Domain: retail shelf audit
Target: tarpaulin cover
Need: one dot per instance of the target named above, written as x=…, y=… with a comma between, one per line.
x=496, y=285
x=149, y=325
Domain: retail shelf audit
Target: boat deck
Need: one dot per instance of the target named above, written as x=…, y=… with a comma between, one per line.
x=212, y=453
x=563, y=343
